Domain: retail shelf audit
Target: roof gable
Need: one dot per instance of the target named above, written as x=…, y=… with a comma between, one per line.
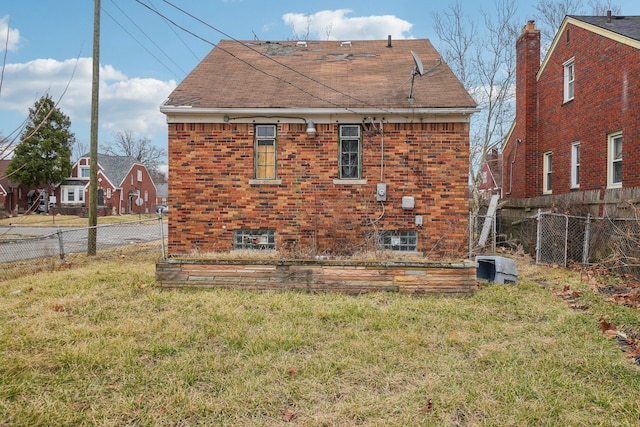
x=622, y=29
x=319, y=74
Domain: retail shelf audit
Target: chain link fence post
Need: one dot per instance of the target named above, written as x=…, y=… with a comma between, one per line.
x=60, y=243
x=162, y=248
x=587, y=236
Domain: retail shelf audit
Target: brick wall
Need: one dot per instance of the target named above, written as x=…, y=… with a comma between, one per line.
x=210, y=193
x=521, y=153
x=607, y=99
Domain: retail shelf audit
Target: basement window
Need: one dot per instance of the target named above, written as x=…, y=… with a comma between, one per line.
x=398, y=240
x=254, y=239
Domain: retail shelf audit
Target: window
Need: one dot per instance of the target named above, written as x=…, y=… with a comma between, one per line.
x=146, y=196
x=569, y=79
x=575, y=165
x=265, y=161
x=350, y=152
x=614, y=172
x=405, y=241
x=254, y=239
x=139, y=173
x=547, y=172
x=72, y=194
x=108, y=193
x=84, y=172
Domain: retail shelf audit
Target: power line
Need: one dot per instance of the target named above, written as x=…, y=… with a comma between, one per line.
x=141, y=45
x=150, y=39
x=248, y=63
x=178, y=36
x=266, y=56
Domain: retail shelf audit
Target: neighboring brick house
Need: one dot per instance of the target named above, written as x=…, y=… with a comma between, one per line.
x=162, y=194
x=577, y=123
x=491, y=174
x=285, y=145
x=124, y=187
x=17, y=198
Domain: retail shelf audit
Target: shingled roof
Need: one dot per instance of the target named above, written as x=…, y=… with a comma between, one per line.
x=320, y=74
x=627, y=26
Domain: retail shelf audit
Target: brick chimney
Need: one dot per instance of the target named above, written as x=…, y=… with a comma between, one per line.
x=527, y=65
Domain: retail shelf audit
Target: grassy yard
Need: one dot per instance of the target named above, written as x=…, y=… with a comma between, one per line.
x=69, y=220
x=99, y=344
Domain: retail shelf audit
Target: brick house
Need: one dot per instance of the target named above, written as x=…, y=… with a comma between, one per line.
x=319, y=147
x=491, y=175
x=577, y=125
x=16, y=198
x=124, y=187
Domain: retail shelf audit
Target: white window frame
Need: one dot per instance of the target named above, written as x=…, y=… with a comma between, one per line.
x=77, y=192
x=108, y=192
x=547, y=172
x=82, y=170
x=569, y=79
x=139, y=174
x=575, y=165
x=614, y=159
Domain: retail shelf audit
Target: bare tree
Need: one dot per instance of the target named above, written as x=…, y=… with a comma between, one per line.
x=141, y=149
x=551, y=13
x=484, y=61
x=79, y=149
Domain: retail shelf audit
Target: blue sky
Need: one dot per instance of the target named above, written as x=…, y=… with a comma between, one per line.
x=143, y=57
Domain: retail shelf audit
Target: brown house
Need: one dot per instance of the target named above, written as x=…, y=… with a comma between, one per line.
x=124, y=187
x=319, y=147
x=577, y=123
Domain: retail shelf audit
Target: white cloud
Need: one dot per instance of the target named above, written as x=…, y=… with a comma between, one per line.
x=337, y=25
x=9, y=37
x=125, y=103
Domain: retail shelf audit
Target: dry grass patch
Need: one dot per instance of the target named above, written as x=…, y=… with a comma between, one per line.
x=100, y=345
x=35, y=220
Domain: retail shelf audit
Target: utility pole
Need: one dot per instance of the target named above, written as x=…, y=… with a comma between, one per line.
x=93, y=151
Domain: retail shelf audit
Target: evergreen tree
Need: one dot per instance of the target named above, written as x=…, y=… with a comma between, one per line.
x=43, y=156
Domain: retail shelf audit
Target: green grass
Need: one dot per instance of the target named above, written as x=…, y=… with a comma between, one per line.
x=99, y=344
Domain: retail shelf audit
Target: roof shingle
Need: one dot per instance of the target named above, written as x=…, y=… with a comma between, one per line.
x=320, y=74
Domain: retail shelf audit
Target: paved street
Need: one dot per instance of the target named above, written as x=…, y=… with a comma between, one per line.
x=21, y=243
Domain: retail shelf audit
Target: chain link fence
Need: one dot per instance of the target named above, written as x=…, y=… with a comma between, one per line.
x=28, y=248
x=561, y=239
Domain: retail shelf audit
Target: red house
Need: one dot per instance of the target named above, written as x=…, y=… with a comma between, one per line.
x=16, y=198
x=491, y=175
x=577, y=123
x=319, y=147
x=124, y=187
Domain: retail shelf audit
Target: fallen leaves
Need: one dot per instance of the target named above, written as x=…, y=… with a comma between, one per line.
x=428, y=407
x=289, y=416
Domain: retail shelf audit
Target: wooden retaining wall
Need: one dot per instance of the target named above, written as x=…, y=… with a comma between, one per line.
x=351, y=277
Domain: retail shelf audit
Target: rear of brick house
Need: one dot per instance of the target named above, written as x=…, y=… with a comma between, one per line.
x=319, y=147
x=577, y=125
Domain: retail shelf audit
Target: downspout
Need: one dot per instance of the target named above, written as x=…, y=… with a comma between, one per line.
x=515, y=154
x=382, y=150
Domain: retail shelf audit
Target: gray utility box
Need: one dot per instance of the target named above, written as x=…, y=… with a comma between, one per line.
x=496, y=269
